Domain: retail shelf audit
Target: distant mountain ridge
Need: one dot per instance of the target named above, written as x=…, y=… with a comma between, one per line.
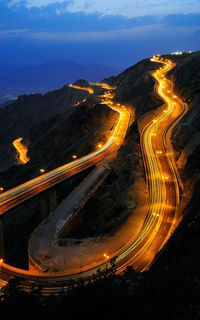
x=47, y=76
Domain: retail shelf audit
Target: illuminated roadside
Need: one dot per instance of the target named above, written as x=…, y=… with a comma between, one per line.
x=161, y=177
x=89, y=90
x=29, y=189
x=163, y=187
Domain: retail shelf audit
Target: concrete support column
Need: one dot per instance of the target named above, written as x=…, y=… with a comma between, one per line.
x=44, y=206
x=53, y=200
x=2, y=251
x=48, y=202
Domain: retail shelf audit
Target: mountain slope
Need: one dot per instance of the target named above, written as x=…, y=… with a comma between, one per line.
x=170, y=290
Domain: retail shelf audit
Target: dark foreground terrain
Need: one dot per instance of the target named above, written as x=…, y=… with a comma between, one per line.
x=171, y=288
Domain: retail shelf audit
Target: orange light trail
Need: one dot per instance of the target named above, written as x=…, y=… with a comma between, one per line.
x=79, y=102
x=22, y=151
x=12, y=197
x=89, y=90
x=103, y=86
x=162, y=183
x=161, y=175
x=27, y=190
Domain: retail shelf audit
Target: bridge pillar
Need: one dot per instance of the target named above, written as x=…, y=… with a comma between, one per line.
x=44, y=206
x=48, y=202
x=53, y=200
x=2, y=251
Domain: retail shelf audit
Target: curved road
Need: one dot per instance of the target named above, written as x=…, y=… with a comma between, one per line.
x=31, y=188
x=22, y=151
x=162, y=183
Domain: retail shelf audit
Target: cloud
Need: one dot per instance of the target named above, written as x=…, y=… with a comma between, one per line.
x=35, y=3
x=127, y=8
x=148, y=31
x=12, y=32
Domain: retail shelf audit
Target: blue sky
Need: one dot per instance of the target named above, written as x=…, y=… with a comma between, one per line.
x=110, y=32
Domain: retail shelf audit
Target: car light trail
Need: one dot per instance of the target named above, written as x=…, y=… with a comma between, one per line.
x=161, y=176
x=22, y=151
x=89, y=90
x=103, y=85
x=29, y=189
x=17, y=195
x=162, y=184
x=79, y=102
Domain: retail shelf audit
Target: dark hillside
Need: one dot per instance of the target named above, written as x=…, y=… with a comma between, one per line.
x=170, y=290
x=54, y=141
x=135, y=87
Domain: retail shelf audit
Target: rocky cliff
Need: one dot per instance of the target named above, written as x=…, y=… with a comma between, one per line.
x=186, y=137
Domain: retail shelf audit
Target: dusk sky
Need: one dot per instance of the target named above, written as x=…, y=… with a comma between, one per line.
x=109, y=32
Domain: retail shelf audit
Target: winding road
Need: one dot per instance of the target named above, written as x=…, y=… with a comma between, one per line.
x=15, y=196
x=22, y=151
x=162, y=181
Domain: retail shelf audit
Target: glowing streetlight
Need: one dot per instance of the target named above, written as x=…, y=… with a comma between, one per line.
x=74, y=156
x=42, y=171
x=106, y=257
x=100, y=146
x=1, y=190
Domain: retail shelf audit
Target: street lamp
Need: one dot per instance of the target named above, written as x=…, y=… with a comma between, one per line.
x=42, y=171
x=106, y=257
x=1, y=190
